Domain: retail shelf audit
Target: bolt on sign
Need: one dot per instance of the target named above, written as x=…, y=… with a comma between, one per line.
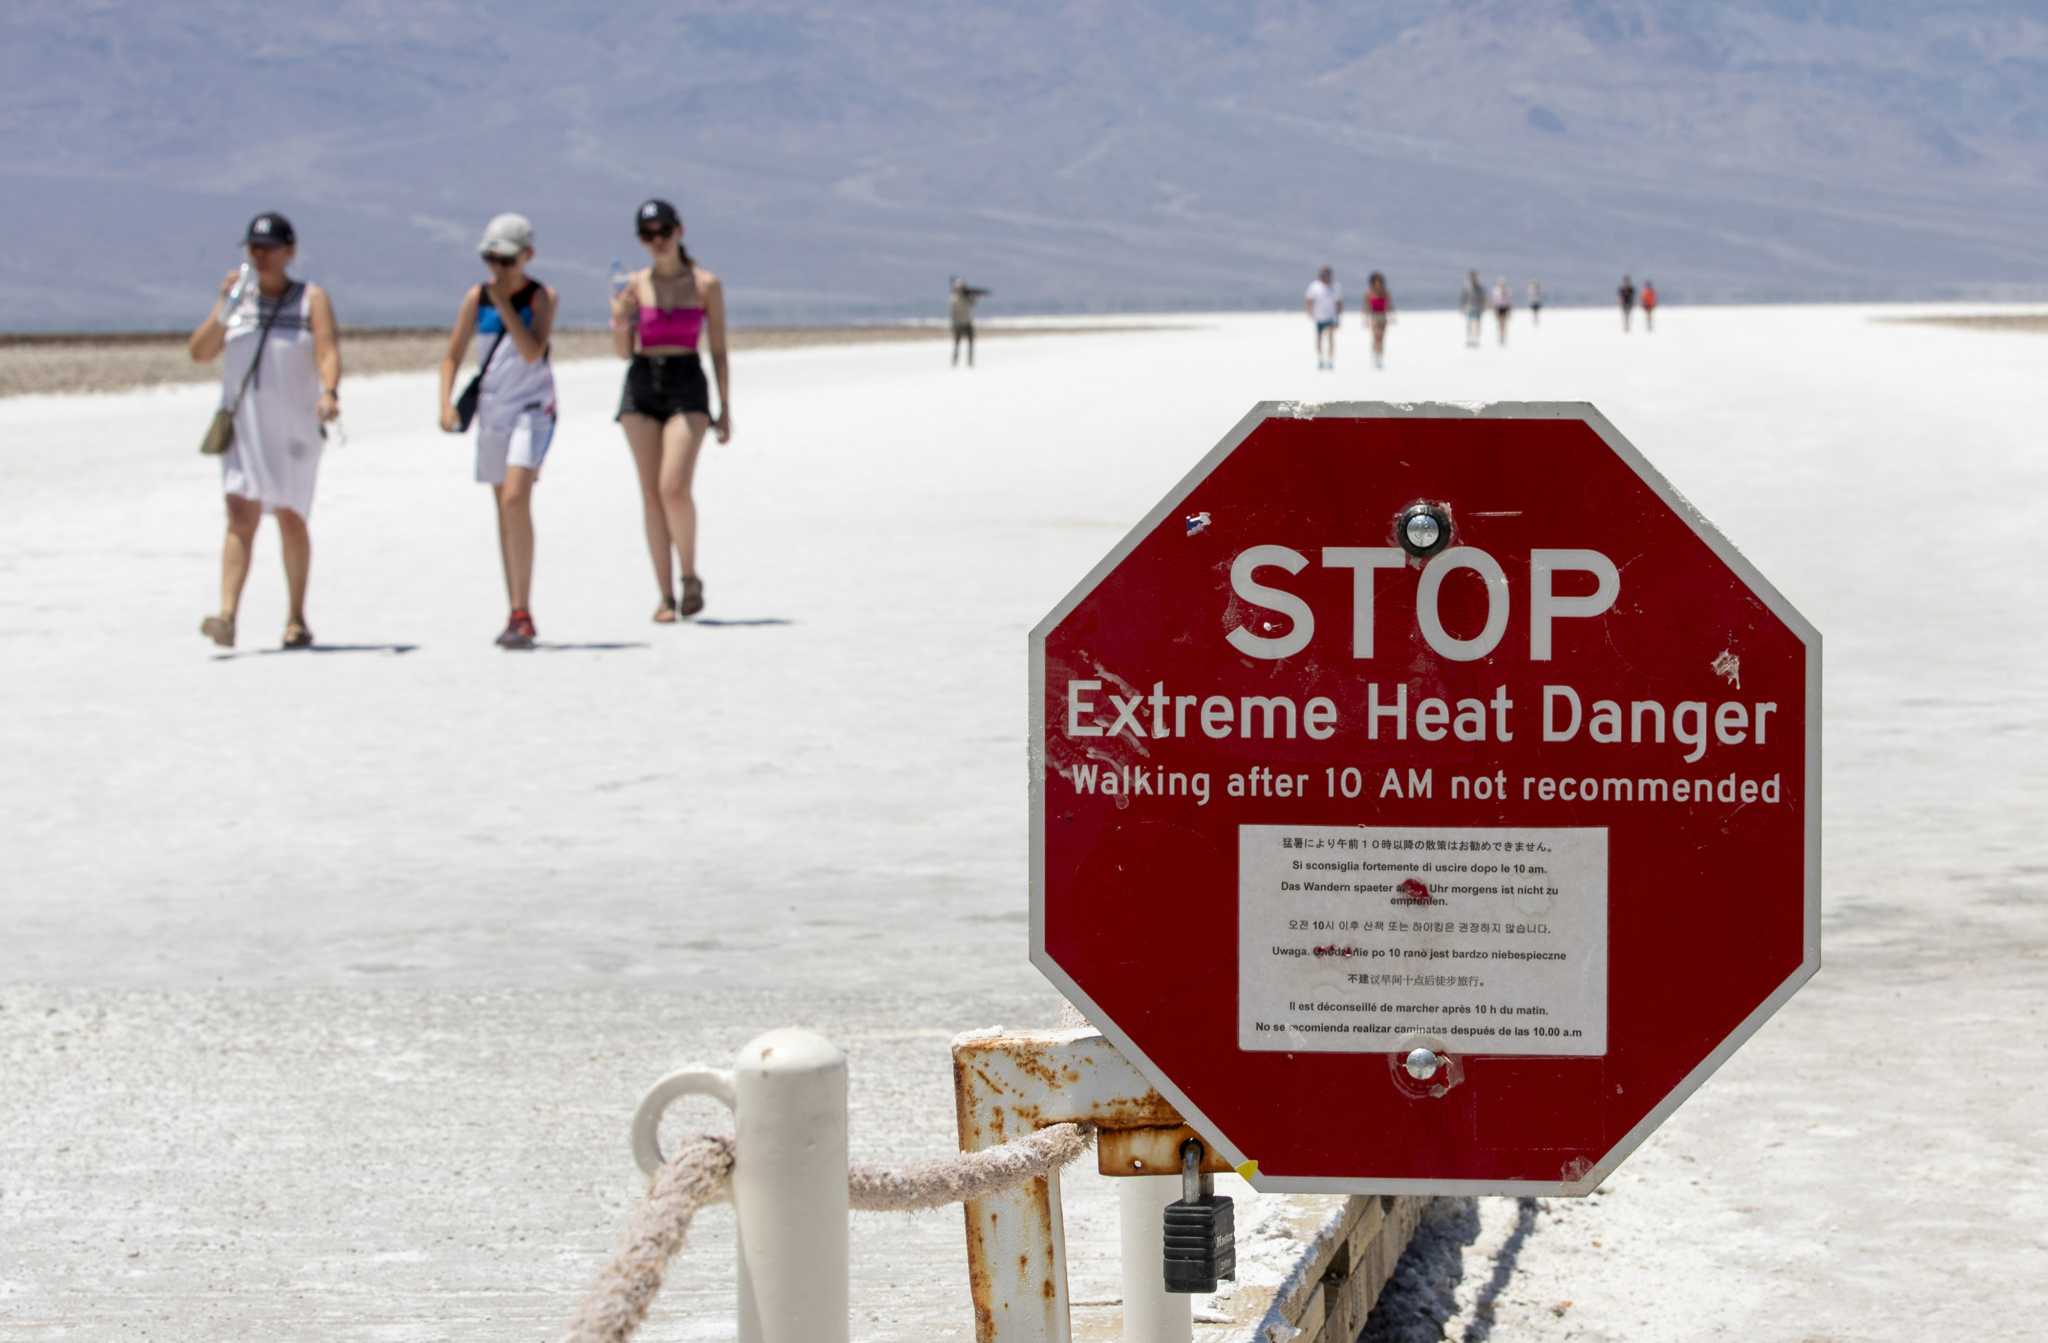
x=1425, y=798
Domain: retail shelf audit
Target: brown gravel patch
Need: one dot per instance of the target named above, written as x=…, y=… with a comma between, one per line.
x=2026, y=321
x=119, y=362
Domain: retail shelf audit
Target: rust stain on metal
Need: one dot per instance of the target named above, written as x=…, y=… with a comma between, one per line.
x=1152, y=1151
x=978, y=1285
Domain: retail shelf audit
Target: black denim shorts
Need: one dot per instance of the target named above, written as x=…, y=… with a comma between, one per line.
x=662, y=385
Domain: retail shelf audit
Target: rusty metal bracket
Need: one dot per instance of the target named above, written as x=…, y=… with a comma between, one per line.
x=1007, y=1084
x=1152, y=1151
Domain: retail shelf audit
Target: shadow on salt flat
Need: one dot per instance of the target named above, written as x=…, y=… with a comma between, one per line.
x=388, y=649
x=1422, y=1296
x=750, y=622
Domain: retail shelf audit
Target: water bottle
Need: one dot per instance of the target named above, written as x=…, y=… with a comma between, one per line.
x=619, y=278
x=235, y=291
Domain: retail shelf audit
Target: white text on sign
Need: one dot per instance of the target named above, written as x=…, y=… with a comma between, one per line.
x=1545, y=605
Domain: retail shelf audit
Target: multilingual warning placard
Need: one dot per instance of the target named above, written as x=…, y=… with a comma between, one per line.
x=1485, y=940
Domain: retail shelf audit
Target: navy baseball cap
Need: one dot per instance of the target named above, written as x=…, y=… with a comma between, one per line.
x=656, y=212
x=271, y=227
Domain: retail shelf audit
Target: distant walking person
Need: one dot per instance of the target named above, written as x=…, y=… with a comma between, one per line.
x=1627, y=295
x=1323, y=301
x=659, y=317
x=1503, y=304
x=281, y=380
x=1649, y=305
x=512, y=316
x=1535, y=303
x=1473, y=301
x=965, y=296
x=1379, y=307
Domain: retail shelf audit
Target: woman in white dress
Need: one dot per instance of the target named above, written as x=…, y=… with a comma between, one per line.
x=284, y=330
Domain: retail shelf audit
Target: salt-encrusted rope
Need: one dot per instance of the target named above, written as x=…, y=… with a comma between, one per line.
x=955, y=1179
x=700, y=1173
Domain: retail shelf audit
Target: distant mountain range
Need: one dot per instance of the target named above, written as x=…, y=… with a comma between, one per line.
x=839, y=161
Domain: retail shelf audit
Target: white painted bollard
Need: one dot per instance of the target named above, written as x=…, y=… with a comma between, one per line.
x=787, y=1092
x=1151, y=1313
x=789, y=1188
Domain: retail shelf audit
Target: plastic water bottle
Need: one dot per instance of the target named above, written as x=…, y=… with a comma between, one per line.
x=619, y=278
x=235, y=291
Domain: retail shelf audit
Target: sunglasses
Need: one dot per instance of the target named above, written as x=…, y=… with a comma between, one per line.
x=657, y=235
x=490, y=260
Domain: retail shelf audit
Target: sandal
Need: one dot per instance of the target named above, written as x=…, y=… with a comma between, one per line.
x=693, y=596
x=665, y=614
x=296, y=635
x=220, y=629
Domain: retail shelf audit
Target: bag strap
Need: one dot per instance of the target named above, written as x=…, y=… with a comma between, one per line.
x=261, y=339
x=503, y=331
x=526, y=292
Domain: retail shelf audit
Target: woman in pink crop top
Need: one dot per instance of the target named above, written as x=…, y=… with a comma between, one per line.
x=1379, y=307
x=658, y=321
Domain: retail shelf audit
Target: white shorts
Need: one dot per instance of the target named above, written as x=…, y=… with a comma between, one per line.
x=519, y=439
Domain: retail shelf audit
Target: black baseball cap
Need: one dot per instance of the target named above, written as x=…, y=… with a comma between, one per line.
x=657, y=212
x=271, y=227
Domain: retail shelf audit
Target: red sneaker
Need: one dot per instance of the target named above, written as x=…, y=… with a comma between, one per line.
x=519, y=631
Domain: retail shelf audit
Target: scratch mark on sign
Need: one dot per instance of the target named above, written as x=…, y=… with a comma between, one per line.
x=1729, y=668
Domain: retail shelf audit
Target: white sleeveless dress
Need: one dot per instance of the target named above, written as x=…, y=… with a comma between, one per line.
x=275, y=458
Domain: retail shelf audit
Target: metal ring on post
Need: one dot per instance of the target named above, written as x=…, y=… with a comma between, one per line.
x=711, y=1082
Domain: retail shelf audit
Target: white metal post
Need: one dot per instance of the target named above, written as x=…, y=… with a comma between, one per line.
x=789, y=1189
x=1151, y=1313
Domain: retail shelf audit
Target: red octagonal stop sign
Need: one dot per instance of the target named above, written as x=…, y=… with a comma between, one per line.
x=1426, y=799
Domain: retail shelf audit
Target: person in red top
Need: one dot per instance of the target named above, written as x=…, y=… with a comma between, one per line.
x=1649, y=305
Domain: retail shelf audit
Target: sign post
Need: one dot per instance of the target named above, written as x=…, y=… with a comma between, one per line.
x=1425, y=799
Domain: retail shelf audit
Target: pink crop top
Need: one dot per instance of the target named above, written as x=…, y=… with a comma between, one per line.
x=674, y=327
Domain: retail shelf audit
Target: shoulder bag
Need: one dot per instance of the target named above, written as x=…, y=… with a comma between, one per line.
x=220, y=434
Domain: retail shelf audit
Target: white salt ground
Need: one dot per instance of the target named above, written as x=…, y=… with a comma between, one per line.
x=330, y=979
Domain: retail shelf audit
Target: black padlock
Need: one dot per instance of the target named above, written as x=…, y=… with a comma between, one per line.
x=1201, y=1229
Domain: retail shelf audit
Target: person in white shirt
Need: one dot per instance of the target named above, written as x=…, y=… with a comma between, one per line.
x=511, y=316
x=1324, y=304
x=1503, y=304
x=1535, y=303
x=281, y=381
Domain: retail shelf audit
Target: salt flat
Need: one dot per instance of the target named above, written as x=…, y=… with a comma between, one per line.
x=327, y=981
